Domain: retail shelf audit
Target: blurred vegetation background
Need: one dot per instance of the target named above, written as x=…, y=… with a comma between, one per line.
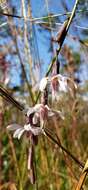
x=26, y=50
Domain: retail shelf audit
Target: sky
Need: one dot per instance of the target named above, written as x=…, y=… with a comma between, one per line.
x=39, y=9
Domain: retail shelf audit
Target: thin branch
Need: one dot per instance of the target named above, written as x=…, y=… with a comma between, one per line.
x=64, y=149
x=42, y=18
x=9, y=98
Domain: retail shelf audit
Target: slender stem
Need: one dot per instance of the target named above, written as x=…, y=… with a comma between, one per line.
x=27, y=45
x=24, y=72
x=58, y=50
x=13, y=29
x=72, y=15
x=67, y=28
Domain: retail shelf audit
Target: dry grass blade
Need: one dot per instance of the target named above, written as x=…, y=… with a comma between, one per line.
x=82, y=177
x=44, y=17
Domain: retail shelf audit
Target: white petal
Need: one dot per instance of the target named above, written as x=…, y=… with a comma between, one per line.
x=27, y=127
x=17, y=132
x=33, y=109
x=21, y=133
x=37, y=107
x=63, y=84
x=36, y=130
x=30, y=111
x=13, y=127
x=47, y=107
x=6, y=80
x=36, y=118
x=62, y=87
x=43, y=84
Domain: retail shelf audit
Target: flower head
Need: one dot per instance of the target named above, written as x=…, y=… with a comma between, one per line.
x=36, y=117
x=57, y=83
x=28, y=129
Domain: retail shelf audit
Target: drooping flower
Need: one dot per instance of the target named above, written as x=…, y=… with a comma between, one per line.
x=42, y=113
x=19, y=130
x=57, y=83
x=36, y=117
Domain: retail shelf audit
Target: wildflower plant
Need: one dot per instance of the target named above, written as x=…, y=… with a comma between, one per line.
x=38, y=115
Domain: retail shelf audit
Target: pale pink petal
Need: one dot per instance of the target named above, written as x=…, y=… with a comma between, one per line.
x=27, y=127
x=30, y=111
x=36, y=131
x=37, y=107
x=34, y=109
x=36, y=118
x=43, y=84
x=13, y=127
x=21, y=133
x=6, y=80
x=63, y=84
x=46, y=106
